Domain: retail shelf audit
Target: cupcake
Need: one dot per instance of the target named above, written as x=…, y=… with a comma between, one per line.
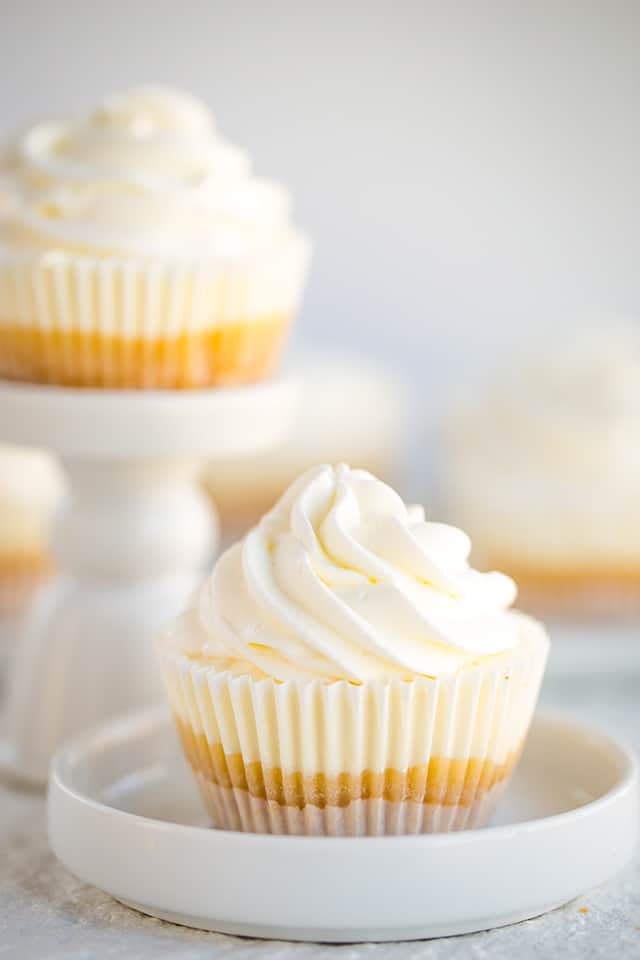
x=31, y=489
x=345, y=672
x=346, y=407
x=139, y=251
x=544, y=473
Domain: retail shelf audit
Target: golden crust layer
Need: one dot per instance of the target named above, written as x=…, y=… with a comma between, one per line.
x=28, y=563
x=597, y=591
x=579, y=577
x=443, y=780
x=236, y=353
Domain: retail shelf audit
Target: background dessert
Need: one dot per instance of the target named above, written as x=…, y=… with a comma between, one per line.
x=544, y=471
x=31, y=489
x=139, y=251
x=346, y=408
x=344, y=671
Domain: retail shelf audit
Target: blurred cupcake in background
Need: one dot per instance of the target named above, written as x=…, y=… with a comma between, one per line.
x=138, y=250
x=31, y=489
x=544, y=473
x=347, y=408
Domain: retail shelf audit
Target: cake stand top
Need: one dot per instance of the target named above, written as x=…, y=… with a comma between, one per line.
x=144, y=425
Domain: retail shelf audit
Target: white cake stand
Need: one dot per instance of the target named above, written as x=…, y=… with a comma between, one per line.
x=132, y=543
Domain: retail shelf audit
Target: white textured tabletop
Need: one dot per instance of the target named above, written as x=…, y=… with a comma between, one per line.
x=47, y=913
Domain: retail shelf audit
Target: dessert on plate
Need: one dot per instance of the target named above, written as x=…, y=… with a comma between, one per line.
x=31, y=488
x=544, y=473
x=346, y=406
x=138, y=250
x=343, y=671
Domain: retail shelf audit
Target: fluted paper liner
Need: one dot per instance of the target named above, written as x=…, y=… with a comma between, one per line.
x=84, y=321
x=310, y=757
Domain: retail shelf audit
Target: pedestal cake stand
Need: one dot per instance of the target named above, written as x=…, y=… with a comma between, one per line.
x=131, y=543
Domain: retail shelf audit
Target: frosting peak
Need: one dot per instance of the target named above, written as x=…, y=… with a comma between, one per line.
x=144, y=174
x=150, y=135
x=342, y=580
x=151, y=110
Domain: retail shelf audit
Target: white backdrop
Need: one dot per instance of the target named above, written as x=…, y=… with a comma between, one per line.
x=469, y=171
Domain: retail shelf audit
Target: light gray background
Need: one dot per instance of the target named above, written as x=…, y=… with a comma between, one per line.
x=468, y=170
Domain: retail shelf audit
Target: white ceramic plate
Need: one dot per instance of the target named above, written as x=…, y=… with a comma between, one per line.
x=125, y=816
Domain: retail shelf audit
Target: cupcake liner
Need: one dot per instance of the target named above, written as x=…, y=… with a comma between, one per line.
x=81, y=321
x=337, y=758
x=237, y=810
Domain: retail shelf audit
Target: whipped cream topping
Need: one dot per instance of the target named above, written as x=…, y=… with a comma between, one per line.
x=561, y=428
x=342, y=580
x=597, y=374
x=145, y=174
x=150, y=135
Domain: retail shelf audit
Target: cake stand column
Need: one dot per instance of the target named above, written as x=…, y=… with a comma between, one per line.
x=134, y=521
x=132, y=545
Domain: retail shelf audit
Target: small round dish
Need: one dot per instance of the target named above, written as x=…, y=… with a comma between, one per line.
x=124, y=816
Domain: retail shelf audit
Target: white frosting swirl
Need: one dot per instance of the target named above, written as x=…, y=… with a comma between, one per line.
x=341, y=580
x=144, y=174
x=559, y=429
x=151, y=136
